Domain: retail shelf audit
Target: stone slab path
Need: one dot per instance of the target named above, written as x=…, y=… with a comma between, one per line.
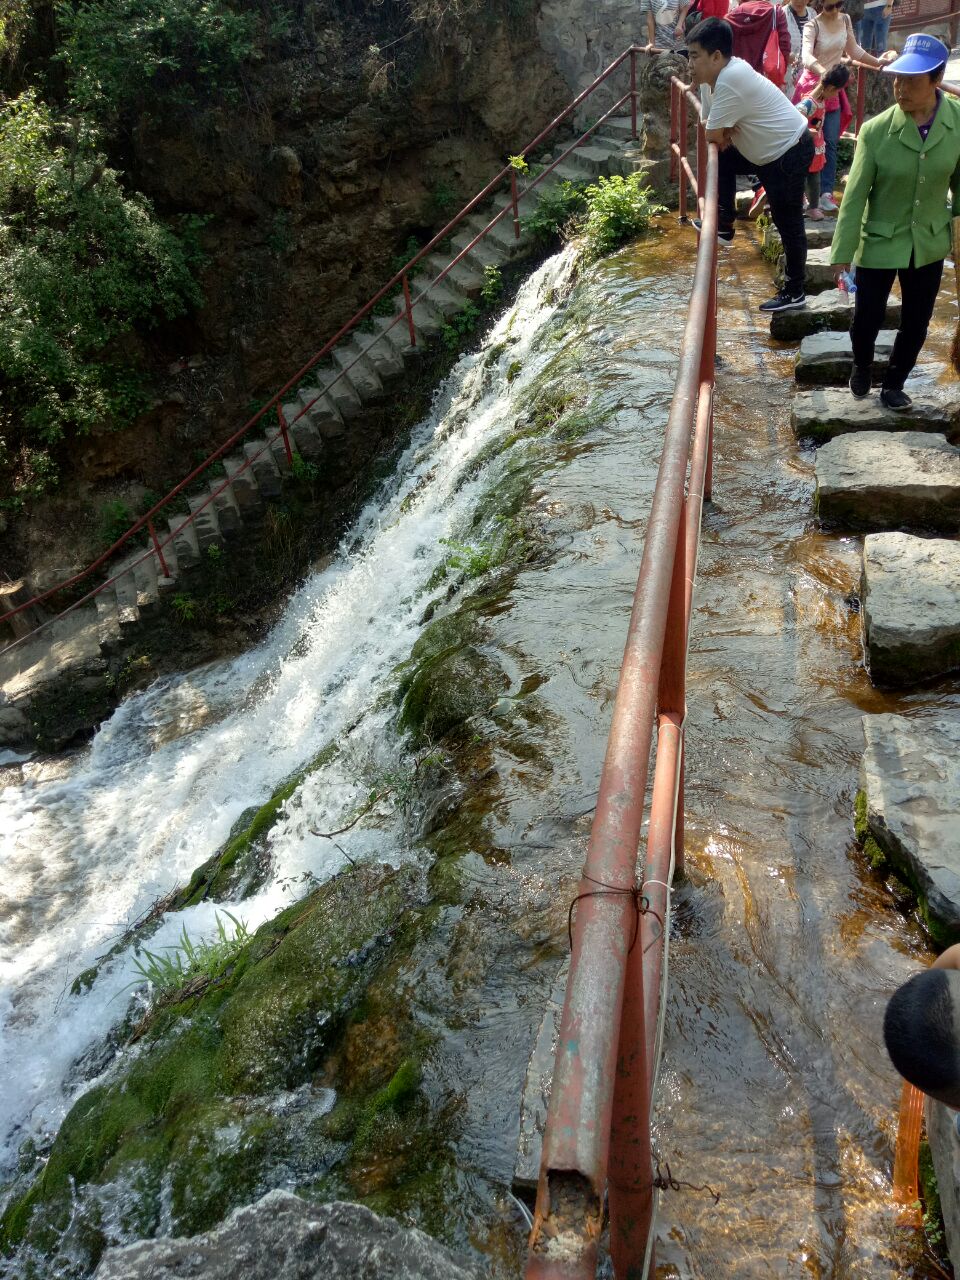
x=910, y=780
x=878, y=480
x=911, y=607
x=820, y=274
x=828, y=310
x=825, y=359
x=824, y=412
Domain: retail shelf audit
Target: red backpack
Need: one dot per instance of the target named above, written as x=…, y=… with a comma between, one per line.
x=761, y=38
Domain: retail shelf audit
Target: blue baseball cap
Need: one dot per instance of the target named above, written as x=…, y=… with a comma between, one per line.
x=920, y=53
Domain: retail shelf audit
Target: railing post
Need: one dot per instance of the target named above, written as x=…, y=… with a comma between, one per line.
x=630, y=1167
x=515, y=203
x=284, y=433
x=158, y=549
x=674, y=132
x=633, y=92
x=861, y=98
x=682, y=142
x=409, y=310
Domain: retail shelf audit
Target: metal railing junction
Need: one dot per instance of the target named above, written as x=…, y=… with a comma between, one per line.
x=597, y=1140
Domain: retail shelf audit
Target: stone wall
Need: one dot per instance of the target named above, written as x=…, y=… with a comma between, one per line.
x=584, y=36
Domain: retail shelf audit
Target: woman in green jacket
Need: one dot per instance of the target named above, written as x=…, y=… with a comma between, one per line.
x=895, y=216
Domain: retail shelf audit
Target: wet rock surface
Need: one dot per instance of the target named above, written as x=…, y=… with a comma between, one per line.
x=820, y=273
x=825, y=359
x=945, y=1148
x=282, y=1235
x=828, y=310
x=875, y=480
x=910, y=781
x=825, y=412
x=911, y=608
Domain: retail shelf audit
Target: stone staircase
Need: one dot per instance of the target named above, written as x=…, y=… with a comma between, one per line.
x=362, y=372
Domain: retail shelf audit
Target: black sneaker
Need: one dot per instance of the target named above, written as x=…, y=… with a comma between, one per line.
x=725, y=236
x=785, y=302
x=859, y=383
x=894, y=398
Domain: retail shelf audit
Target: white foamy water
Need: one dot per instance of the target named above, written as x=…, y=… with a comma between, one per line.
x=87, y=844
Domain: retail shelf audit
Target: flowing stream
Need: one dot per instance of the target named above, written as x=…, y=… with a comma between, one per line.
x=775, y=1089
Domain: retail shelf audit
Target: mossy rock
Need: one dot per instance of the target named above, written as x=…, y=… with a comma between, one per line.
x=239, y=868
x=206, y=1060
x=448, y=680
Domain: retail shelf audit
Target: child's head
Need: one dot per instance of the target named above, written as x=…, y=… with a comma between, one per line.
x=836, y=78
x=921, y=1029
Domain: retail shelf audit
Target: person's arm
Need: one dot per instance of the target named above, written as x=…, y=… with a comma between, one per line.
x=783, y=35
x=681, y=18
x=651, y=25
x=856, y=51
x=949, y=959
x=809, y=55
x=847, y=234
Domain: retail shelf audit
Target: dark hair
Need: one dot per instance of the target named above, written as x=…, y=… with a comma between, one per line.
x=921, y=1034
x=837, y=77
x=936, y=75
x=713, y=35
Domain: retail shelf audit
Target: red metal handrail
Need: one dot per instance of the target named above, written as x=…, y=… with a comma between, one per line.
x=860, y=110
x=597, y=1137
x=275, y=403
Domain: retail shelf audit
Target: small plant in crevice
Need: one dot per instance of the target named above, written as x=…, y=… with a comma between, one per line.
x=492, y=289
x=556, y=212
x=115, y=519
x=519, y=163
x=303, y=471
x=171, y=968
x=186, y=607
x=617, y=210
x=460, y=326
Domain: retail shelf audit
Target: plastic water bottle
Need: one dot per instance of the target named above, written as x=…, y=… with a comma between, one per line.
x=846, y=283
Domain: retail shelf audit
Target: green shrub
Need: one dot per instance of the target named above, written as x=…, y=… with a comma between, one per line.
x=125, y=56
x=115, y=519
x=618, y=209
x=82, y=263
x=492, y=288
x=556, y=210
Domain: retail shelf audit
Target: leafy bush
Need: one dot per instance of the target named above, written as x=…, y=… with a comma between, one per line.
x=460, y=326
x=492, y=288
x=556, y=210
x=618, y=209
x=125, y=56
x=115, y=519
x=81, y=263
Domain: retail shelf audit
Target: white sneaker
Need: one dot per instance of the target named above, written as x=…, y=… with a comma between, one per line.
x=828, y=204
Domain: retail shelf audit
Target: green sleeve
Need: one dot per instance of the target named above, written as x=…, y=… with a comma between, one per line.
x=846, y=237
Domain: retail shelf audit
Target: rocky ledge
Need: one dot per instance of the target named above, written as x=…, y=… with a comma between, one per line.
x=911, y=609
x=825, y=412
x=282, y=1235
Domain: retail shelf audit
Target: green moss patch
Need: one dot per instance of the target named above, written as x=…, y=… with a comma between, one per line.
x=186, y=1105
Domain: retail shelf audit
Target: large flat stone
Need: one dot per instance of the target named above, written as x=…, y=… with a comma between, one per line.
x=825, y=412
x=284, y=1236
x=876, y=480
x=825, y=359
x=818, y=234
x=910, y=607
x=820, y=274
x=910, y=778
x=945, y=1149
x=828, y=310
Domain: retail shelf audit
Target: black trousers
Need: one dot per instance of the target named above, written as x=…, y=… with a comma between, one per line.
x=783, y=180
x=918, y=292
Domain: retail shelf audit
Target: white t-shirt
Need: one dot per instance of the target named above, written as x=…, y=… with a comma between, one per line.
x=766, y=125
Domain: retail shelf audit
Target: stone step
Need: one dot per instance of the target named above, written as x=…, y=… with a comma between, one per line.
x=184, y=543
x=906, y=760
x=322, y=412
x=592, y=160
x=108, y=621
x=226, y=506
x=462, y=278
x=483, y=254
x=264, y=467
x=819, y=274
x=618, y=128
x=381, y=354
x=165, y=584
x=878, y=480
x=341, y=391
x=244, y=485
x=398, y=335
x=819, y=234
x=910, y=607
x=358, y=370
x=125, y=590
x=306, y=436
x=205, y=522
x=825, y=359
x=279, y=452
x=500, y=236
x=444, y=301
x=426, y=320
x=831, y=309
x=148, y=590
x=825, y=412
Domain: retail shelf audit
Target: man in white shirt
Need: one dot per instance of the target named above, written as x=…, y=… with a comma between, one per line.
x=758, y=131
